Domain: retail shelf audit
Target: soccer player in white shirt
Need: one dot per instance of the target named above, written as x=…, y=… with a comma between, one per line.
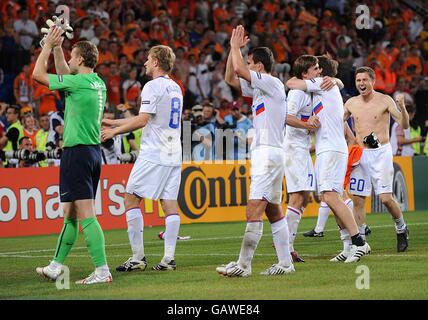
x=157, y=172
x=267, y=155
x=332, y=154
x=372, y=111
x=299, y=169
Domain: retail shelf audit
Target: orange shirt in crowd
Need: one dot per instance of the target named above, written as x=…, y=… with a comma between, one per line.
x=180, y=84
x=23, y=84
x=413, y=60
x=129, y=48
x=220, y=15
x=104, y=57
x=271, y=7
x=380, y=82
x=279, y=50
x=133, y=92
x=113, y=92
x=47, y=97
x=174, y=8
x=390, y=79
x=32, y=136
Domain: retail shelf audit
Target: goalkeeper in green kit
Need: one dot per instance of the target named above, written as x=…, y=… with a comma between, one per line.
x=85, y=96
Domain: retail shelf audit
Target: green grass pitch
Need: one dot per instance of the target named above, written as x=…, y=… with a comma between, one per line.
x=392, y=275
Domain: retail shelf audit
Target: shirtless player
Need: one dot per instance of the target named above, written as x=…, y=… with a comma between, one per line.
x=371, y=111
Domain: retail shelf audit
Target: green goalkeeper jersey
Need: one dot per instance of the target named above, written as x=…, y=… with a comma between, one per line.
x=85, y=97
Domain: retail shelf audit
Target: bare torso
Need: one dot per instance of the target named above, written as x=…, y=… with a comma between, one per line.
x=370, y=116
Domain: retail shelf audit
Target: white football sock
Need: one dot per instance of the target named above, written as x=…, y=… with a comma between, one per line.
x=172, y=227
x=400, y=225
x=54, y=265
x=323, y=213
x=102, y=271
x=252, y=236
x=346, y=239
x=135, y=221
x=362, y=230
x=280, y=239
x=293, y=217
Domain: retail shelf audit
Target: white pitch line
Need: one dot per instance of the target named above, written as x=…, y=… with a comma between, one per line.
x=190, y=240
x=218, y=254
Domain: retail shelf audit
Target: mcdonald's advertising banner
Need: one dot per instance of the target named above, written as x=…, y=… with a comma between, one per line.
x=29, y=197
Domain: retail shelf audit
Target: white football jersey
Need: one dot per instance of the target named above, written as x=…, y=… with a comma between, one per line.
x=328, y=106
x=299, y=104
x=160, y=141
x=269, y=108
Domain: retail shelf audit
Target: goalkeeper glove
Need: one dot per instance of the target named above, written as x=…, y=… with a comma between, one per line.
x=55, y=21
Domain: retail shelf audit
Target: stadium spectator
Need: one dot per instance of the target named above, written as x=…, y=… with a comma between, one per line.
x=421, y=102
x=45, y=99
x=113, y=85
x=23, y=86
x=25, y=143
x=26, y=29
x=131, y=89
x=199, y=33
x=29, y=127
x=404, y=142
x=42, y=137
x=14, y=129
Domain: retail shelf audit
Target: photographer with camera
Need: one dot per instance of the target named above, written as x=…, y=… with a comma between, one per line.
x=130, y=141
x=14, y=131
x=111, y=148
x=42, y=137
x=25, y=143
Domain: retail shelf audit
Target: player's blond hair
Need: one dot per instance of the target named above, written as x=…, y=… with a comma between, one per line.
x=89, y=52
x=164, y=55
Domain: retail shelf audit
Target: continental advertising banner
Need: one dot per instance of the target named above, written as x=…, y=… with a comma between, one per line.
x=29, y=198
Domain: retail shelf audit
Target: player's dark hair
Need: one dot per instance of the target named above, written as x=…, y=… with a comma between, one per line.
x=328, y=66
x=89, y=52
x=367, y=70
x=265, y=56
x=302, y=64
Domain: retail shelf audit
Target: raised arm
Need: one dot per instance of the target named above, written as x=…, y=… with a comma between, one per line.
x=40, y=72
x=399, y=115
x=237, y=41
x=229, y=75
x=61, y=65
